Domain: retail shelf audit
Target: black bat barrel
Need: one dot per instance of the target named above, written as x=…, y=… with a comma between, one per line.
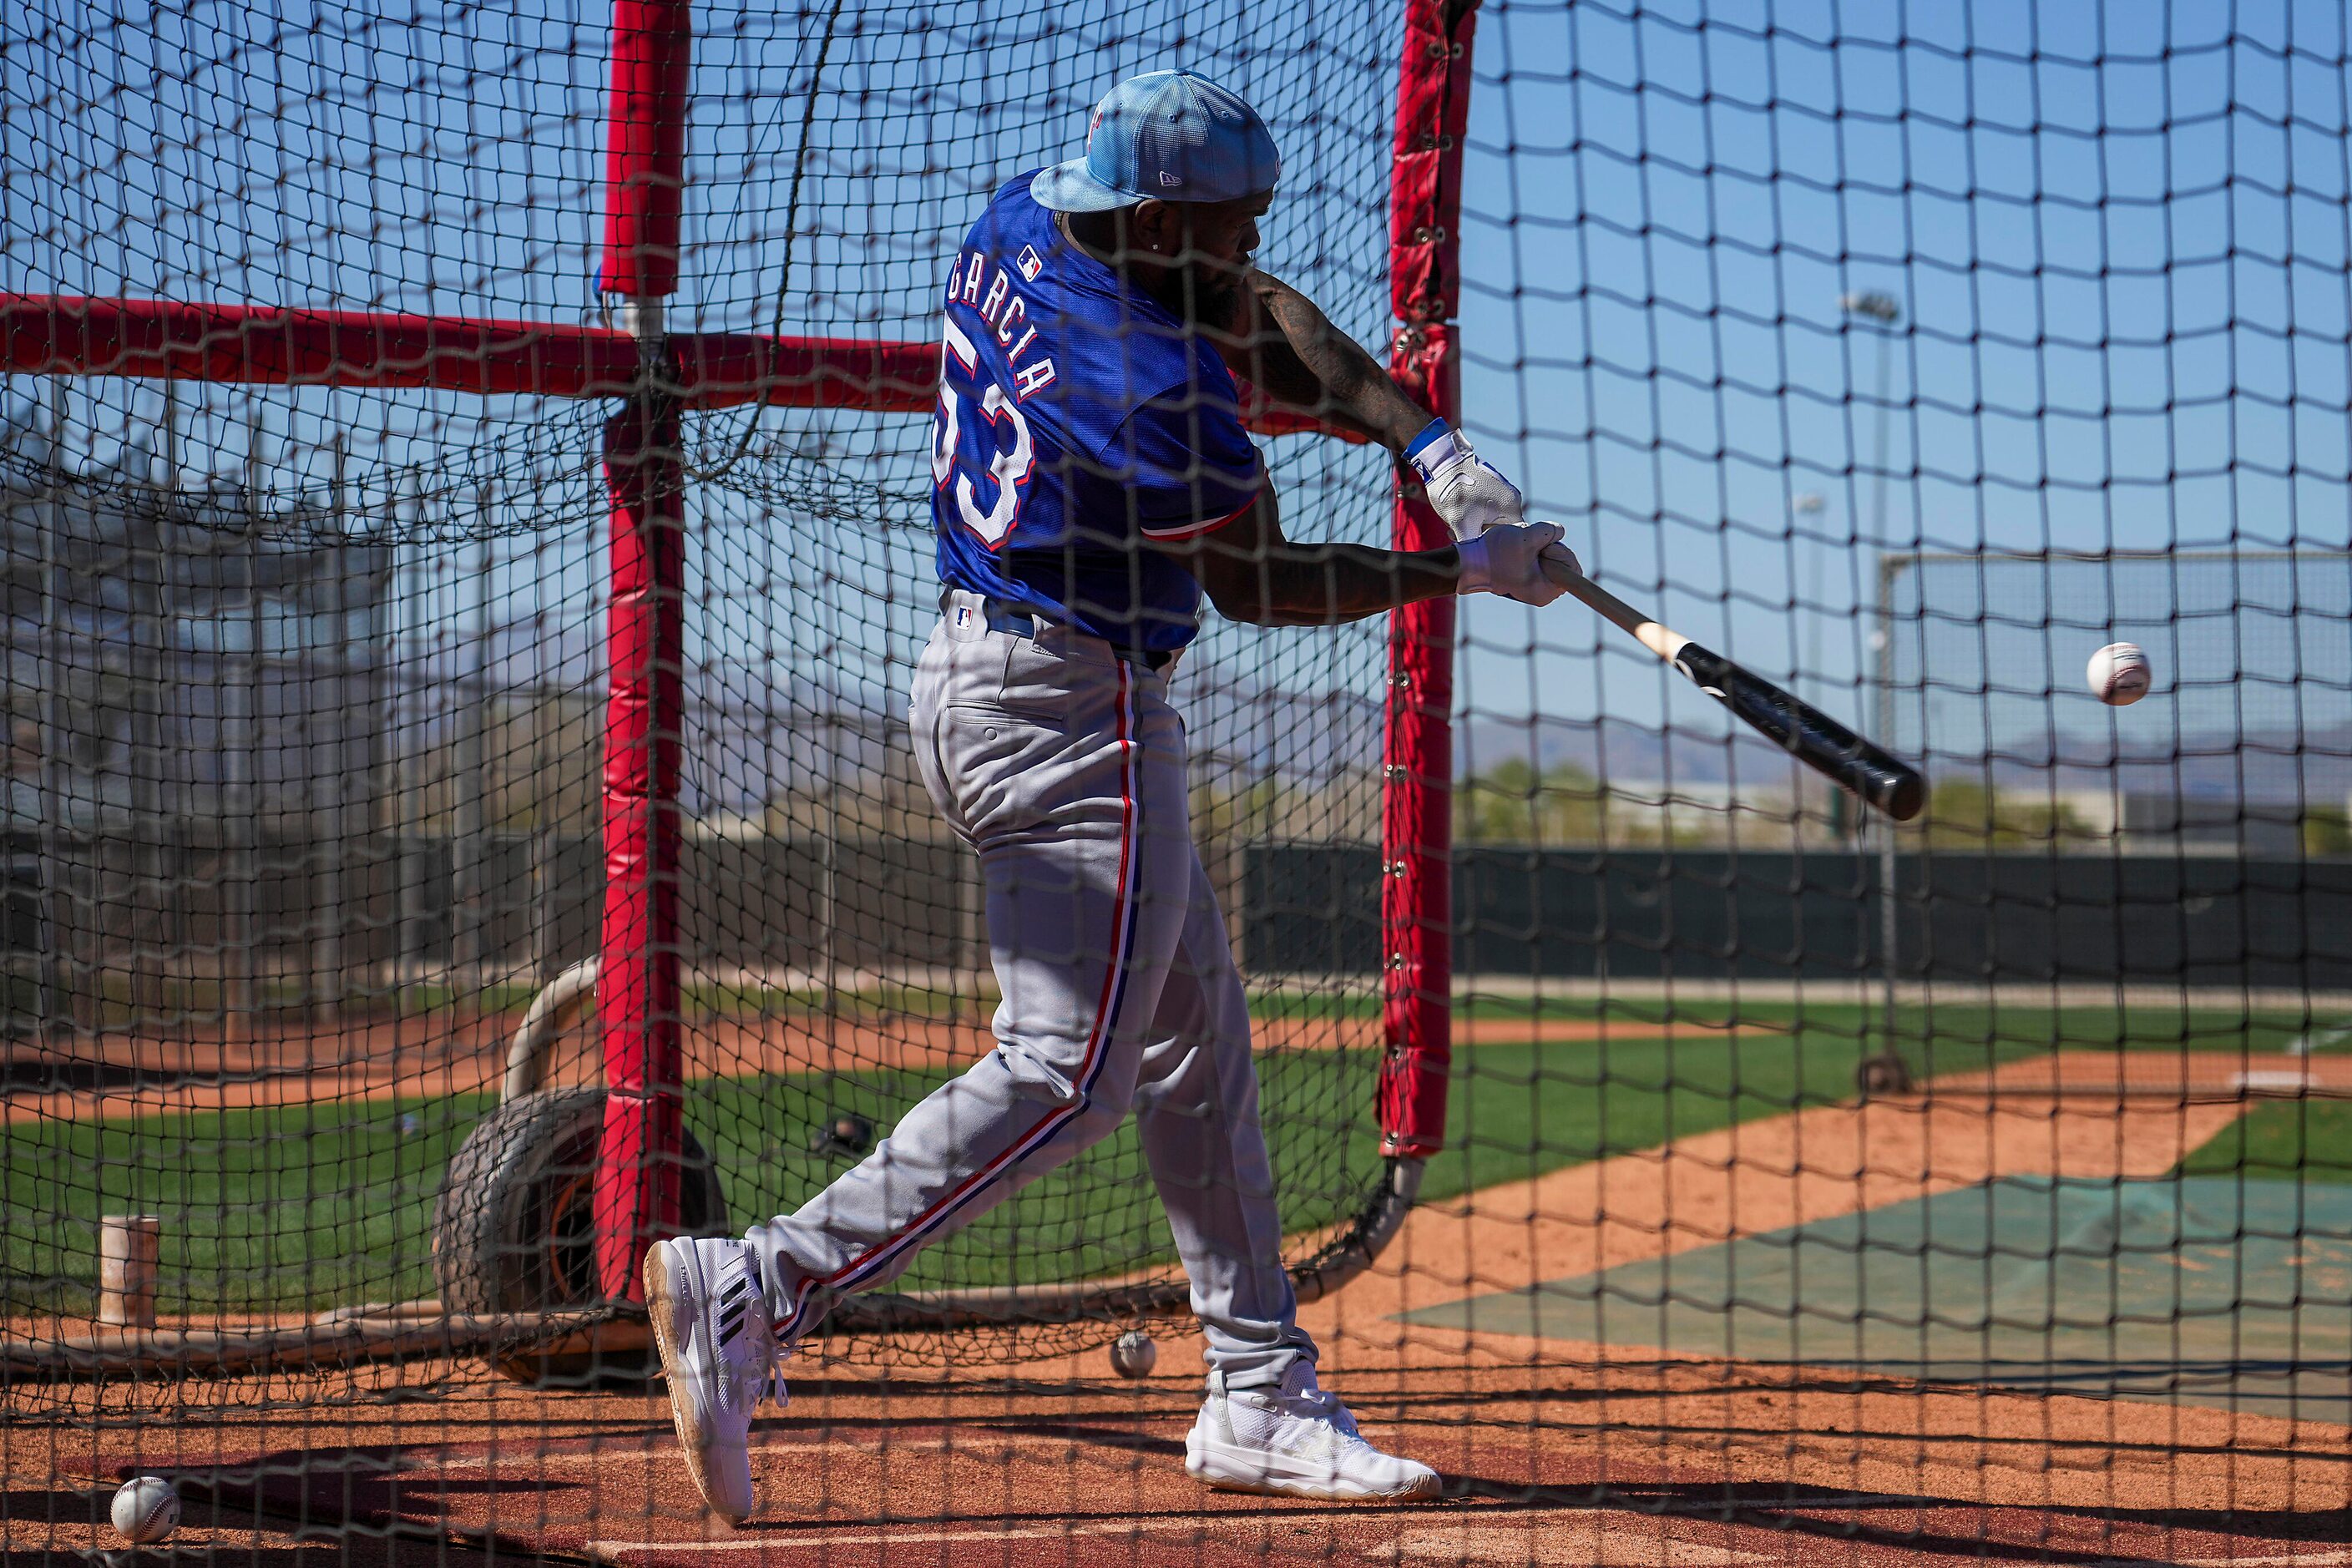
x=1810, y=735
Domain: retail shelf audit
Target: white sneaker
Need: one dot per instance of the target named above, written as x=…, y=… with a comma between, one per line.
x=710, y=1321
x=1297, y=1441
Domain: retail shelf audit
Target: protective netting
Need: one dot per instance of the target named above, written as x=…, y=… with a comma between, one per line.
x=2250, y=706
x=307, y=681
x=1974, y=1186
x=2190, y=840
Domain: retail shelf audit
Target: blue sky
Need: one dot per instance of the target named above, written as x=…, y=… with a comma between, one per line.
x=2118, y=236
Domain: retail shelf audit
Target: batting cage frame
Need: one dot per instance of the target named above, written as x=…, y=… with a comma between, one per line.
x=1823, y=1016
x=651, y=375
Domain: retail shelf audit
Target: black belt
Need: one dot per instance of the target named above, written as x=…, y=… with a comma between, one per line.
x=1005, y=615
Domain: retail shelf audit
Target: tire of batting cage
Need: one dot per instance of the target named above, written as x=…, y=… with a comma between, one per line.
x=1343, y=1256
x=514, y=1228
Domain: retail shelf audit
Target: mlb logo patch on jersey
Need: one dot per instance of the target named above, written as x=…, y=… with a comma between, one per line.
x=1030, y=263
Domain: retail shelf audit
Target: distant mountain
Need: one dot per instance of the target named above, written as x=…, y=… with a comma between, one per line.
x=1620, y=752
x=749, y=727
x=2260, y=766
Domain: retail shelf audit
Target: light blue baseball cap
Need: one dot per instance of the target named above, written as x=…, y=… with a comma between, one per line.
x=1173, y=136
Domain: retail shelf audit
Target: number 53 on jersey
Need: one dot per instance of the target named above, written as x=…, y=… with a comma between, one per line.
x=980, y=444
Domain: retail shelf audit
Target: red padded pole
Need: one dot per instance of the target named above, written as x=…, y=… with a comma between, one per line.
x=1416, y=821
x=637, y=978
x=645, y=146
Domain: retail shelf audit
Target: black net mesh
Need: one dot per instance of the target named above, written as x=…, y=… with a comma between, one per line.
x=1972, y=1187
x=307, y=683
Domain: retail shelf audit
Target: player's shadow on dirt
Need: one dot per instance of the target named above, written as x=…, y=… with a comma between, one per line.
x=78, y=1509
x=57, y=1505
x=319, y=1554
x=373, y=1482
x=1830, y=1514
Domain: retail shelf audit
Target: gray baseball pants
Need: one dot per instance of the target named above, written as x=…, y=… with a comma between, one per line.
x=1063, y=765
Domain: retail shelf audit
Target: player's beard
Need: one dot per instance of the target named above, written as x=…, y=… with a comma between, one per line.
x=1212, y=291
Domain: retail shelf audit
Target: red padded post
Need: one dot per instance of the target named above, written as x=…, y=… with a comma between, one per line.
x=645, y=146
x=637, y=978
x=1417, y=752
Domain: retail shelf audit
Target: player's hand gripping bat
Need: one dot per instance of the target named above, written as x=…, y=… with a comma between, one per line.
x=1805, y=732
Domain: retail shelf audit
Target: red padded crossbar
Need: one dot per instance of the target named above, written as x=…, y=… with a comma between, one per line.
x=64, y=334
x=57, y=334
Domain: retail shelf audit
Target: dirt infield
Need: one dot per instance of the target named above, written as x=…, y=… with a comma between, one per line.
x=1555, y=1451
x=856, y=1475
x=53, y=1515
x=2162, y=1075
x=131, y=1075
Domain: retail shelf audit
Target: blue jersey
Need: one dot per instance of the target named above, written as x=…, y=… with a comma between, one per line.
x=1077, y=419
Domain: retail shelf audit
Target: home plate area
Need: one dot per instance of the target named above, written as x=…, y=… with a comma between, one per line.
x=1635, y=1463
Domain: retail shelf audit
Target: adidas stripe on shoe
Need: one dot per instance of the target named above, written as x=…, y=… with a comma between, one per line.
x=711, y=1324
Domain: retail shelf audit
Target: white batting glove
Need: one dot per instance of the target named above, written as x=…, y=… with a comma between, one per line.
x=1470, y=493
x=1506, y=559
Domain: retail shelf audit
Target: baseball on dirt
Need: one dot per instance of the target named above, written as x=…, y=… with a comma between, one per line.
x=146, y=1509
x=1133, y=1355
x=2119, y=674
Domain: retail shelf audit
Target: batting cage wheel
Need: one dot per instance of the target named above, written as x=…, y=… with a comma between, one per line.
x=514, y=1228
x=1346, y=1250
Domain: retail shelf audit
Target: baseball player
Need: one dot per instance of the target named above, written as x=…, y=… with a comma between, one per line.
x=1092, y=480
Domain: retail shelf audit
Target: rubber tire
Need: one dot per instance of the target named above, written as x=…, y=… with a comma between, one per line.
x=514, y=1226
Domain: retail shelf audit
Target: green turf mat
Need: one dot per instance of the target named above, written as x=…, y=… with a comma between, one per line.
x=2201, y=1291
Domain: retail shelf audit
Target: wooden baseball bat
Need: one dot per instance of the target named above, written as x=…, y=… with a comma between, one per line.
x=1858, y=765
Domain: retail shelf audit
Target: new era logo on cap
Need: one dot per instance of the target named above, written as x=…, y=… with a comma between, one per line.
x=1167, y=179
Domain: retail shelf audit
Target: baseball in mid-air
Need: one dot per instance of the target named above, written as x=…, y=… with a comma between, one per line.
x=146, y=1509
x=1133, y=1355
x=2119, y=674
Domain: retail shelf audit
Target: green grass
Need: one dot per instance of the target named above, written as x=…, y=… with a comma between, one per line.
x=2281, y=1140
x=1521, y=1111
x=287, y=1207
x=311, y=1206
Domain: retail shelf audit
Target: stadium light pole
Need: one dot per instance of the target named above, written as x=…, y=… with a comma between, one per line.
x=1802, y=510
x=1883, y=313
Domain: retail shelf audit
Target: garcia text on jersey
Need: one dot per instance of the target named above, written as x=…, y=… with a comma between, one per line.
x=989, y=290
